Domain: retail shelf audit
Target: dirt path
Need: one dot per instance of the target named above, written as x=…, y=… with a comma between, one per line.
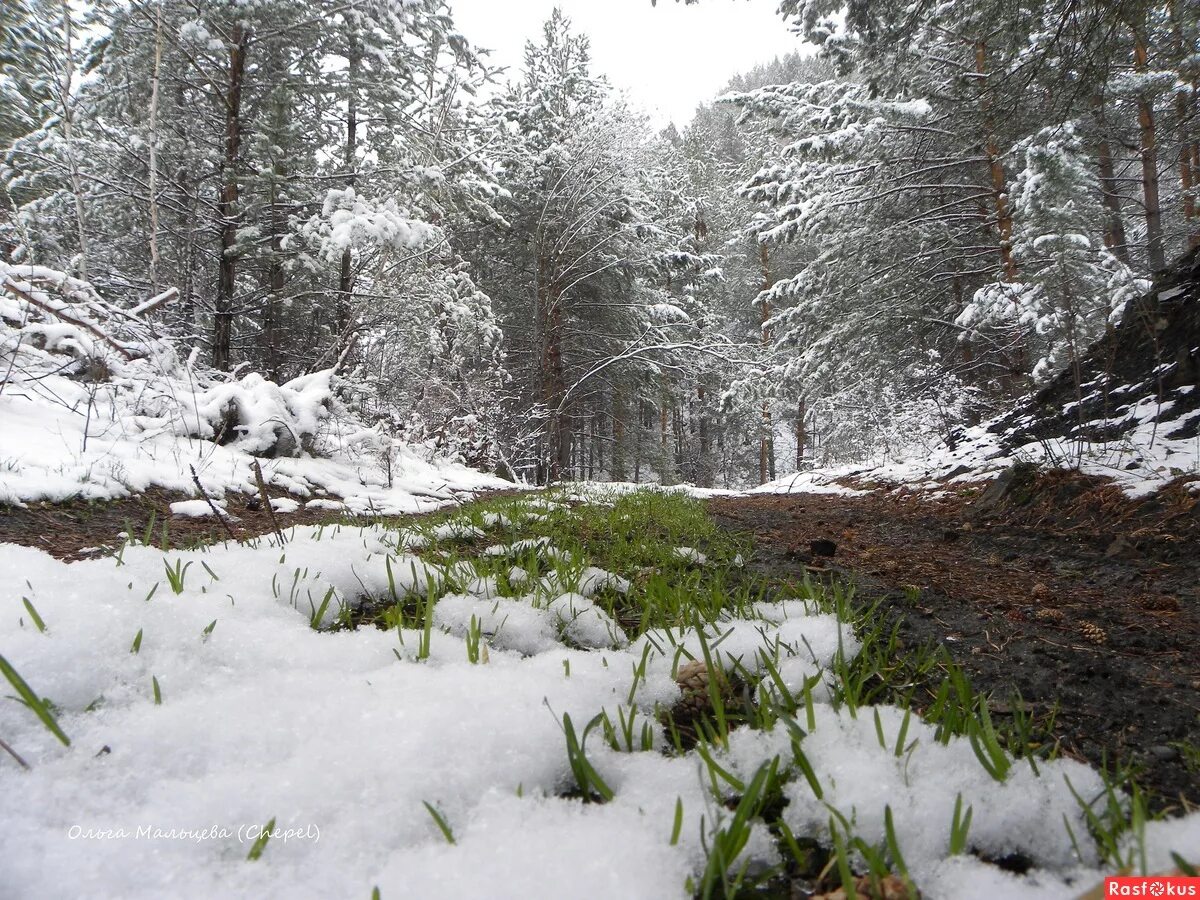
x=81, y=529
x=1063, y=591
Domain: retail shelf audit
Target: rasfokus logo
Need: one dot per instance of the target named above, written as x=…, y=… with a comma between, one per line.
x=1152, y=886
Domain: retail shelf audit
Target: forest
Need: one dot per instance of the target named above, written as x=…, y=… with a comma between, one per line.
x=428, y=477
x=847, y=256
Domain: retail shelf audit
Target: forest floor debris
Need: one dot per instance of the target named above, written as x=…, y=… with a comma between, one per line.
x=1083, y=600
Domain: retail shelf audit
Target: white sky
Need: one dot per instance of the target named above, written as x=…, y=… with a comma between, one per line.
x=669, y=58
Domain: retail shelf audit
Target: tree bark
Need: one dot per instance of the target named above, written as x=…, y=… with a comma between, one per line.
x=152, y=178
x=272, y=312
x=801, y=437
x=550, y=314
x=706, y=469
x=1155, y=251
x=67, y=111
x=1114, y=228
x=1189, y=141
x=1004, y=222
x=766, y=448
x=227, y=200
x=350, y=161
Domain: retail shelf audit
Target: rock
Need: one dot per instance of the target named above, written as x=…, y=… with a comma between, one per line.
x=1010, y=485
x=1163, y=753
x=822, y=547
x=1119, y=547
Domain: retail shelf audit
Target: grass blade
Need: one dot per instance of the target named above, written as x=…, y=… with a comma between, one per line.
x=33, y=614
x=260, y=844
x=440, y=821
x=33, y=701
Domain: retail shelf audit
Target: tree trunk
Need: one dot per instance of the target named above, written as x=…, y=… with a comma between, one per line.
x=706, y=469
x=345, y=294
x=227, y=201
x=67, y=112
x=152, y=178
x=637, y=442
x=1188, y=176
x=1114, y=228
x=1189, y=141
x=552, y=376
x=593, y=432
x=272, y=312
x=1004, y=222
x=766, y=449
x=618, y=432
x=801, y=438
x=1155, y=251
x=677, y=427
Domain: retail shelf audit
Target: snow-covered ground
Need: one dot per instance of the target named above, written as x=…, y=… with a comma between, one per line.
x=1140, y=462
x=201, y=704
x=82, y=418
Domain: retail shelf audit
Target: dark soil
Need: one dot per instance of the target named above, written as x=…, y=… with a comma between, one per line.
x=80, y=529
x=1054, y=586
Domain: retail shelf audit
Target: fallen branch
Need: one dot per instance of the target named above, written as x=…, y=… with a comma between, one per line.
x=155, y=302
x=67, y=317
x=216, y=510
x=266, y=499
x=14, y=754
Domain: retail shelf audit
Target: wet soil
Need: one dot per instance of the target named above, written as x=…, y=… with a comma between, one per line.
x=1054, y=586
x=81, y=529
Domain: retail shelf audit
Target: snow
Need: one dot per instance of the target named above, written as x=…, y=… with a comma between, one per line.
x=690, y=554
x=811, y=482
x=150, y=419
x=342, y=736
x=456, y=531
x=198, y=509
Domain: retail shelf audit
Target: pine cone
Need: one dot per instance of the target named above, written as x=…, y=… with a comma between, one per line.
x=693, y=678
x=1050, y=614
x=1094, y=633
x=892, y=888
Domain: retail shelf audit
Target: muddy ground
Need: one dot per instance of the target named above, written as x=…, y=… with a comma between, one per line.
x=1053, y=586
x=80, y=529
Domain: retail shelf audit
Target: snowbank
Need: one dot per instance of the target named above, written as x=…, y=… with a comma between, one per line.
x=84, y=417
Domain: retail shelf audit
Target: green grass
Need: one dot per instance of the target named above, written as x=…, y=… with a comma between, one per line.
x=635, y=536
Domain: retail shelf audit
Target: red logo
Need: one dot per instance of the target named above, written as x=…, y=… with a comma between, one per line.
x=1152, y=886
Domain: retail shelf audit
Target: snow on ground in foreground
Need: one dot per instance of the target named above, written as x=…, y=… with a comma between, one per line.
x=342, y=736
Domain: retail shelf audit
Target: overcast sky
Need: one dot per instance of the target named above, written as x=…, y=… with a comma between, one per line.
x=670, y=57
